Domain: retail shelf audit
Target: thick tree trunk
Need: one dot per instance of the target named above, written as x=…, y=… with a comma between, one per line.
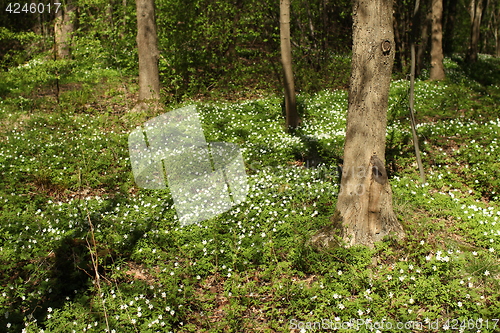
x=437, y=68
x=364, y=207
x=63, y=29
x=292, y=117
x=147, y=44
x=476, y=12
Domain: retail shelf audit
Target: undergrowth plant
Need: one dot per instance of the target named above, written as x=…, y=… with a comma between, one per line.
x=83, y=249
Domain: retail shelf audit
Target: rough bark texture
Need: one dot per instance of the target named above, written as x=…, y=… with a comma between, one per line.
x=147, y=44
x=364, y=208
x=292, y=117
x=63, y=29
x=437, y=68
x=476, y=12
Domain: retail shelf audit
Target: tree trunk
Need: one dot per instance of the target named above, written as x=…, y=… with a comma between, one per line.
x=364, y=212
x=147, y=44
x=63, y=29
x=292, y=117
x=450, y=7
x=109, y=15
x=476, y=12
x=400, y=54
x=497, y=44
x=124, y=20
x=496, y=26
x=493, y=8
x=437, y=68
x=402, y=26
x=422, y=46
x=411, y=98
x=496, y=34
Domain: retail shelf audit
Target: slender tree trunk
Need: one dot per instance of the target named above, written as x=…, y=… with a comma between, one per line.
x=109, y=15
x=476, y=12
x=450, y=9
x=411, y=99
x=495, y=22
x=292, y=117
x=437, y=68
x=147, y=44
x=402, y=37
x=325, y=25
x=364, y=211
x=400, y=54
x=422, y=46
x=497, y=43
x=412, y=115
x=496, y=34
x=123, y=20
x=494, y=25
x=312, y=31
x=63, y=29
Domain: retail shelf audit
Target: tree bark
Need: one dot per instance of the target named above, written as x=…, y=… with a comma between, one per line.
x=402, y=26
x=63, y=29
x=147, y=44
x=495, y=26
x=492, y=11
x=423, y=44
x=400, y=61
x=437, y=68
x=449, y=16
x=364, y=212
x=476, y=12
x=292, y=117
x=496, y=33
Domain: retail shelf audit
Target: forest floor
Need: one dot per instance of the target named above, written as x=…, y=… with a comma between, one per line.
x=83, y=248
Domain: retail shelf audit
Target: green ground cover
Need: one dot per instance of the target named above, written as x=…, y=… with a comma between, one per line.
x=82, y=249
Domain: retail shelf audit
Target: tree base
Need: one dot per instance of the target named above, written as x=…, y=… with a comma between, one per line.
x=339, y=234
x=328, y=237
x=146, y=106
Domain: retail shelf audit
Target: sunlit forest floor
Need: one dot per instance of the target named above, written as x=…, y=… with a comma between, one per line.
x=83, y=249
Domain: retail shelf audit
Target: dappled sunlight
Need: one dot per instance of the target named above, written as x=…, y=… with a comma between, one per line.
x=68, y=195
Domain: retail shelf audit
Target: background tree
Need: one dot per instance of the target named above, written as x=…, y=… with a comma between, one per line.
x=411, y=97
x=496, y=27
x=422, y=29
x=492, y=29
x=449, y=21
x=147, y=45
x=437, y=68
x=208, y=46
x=292, y=117
x=403, y=32
x=364, y=212
x=475, y=12
x=63, y=29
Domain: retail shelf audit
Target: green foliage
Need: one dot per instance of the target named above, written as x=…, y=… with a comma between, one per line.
x=19, y=46
x=71, y=213
x=106, y=35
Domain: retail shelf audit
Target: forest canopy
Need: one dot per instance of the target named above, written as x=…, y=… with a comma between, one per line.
x=214, y=45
